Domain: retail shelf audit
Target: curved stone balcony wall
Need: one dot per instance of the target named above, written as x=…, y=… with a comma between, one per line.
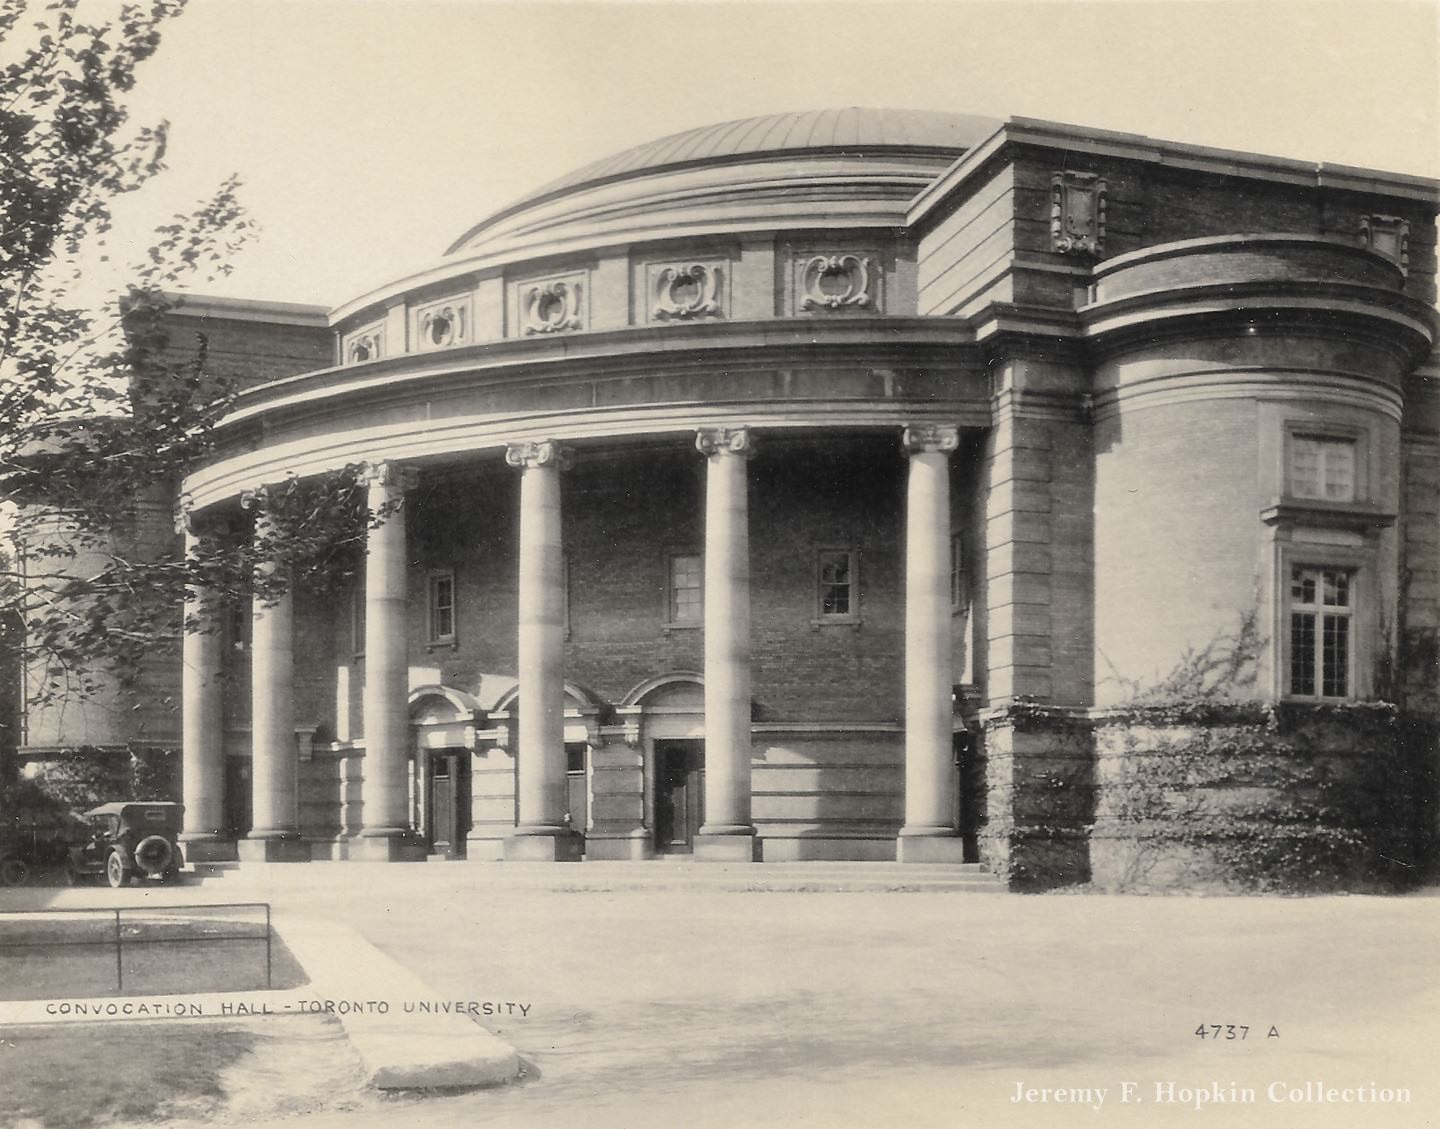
x=1254, y=280
x=1239, y=259
x=438, y=407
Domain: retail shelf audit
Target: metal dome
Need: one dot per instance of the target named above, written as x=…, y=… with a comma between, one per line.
x=852, y=132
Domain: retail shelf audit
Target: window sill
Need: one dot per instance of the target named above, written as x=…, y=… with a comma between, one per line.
x=836, y=621
x=683, y=625
x=1317, y=511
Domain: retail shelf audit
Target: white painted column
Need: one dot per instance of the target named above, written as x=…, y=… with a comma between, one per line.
x=929, y=833
x=275, y=824
x=202, y=741
x=385, y=832
x=540, y=832
x=727, y=835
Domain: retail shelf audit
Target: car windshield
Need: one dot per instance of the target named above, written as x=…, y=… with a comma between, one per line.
x=103, y=824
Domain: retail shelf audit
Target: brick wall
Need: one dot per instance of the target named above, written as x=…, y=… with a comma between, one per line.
x=623, y=515
x=247, y=353
x=1177, y=536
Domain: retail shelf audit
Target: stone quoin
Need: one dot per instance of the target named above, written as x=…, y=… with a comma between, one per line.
x=847, y=485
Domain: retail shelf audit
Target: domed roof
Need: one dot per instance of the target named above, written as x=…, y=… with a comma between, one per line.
x=928, y=137
x=851, y=130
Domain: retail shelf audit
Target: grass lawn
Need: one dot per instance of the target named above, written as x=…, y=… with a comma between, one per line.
x=125, y=1073
x=84, y=967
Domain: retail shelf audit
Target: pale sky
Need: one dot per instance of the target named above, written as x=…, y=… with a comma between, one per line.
x=370, y=133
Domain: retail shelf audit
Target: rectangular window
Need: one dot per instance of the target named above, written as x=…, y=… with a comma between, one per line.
x=835, y=574
x=1321, y=612
x=442, y=607
x=236, y=626
x=686, y=591
x=1322, y=467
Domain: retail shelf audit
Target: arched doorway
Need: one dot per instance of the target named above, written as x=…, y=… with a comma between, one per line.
x=672, y=731
x=442, y=721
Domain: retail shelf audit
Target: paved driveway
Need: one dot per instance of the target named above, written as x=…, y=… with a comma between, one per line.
x=670, y=1009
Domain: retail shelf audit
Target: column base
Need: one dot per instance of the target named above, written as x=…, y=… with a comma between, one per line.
x=203, y=847
x=622, y=846
x=293, y=849
x=710, y=847
x=924, y=846
x=385, y=848
x=544, y=845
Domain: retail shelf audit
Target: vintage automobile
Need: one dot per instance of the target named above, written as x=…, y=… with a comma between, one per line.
x=128, y=840
x=35, y=845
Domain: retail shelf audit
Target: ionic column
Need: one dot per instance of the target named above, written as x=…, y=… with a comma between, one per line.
x=385, y=832
x=202, y=740
x=540, y=832
x=929, y=833
x=727, y=833
x=275, y=825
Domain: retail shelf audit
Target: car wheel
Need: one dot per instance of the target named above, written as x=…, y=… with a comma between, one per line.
x=14, y=871
x=154, y=854
x=116, y=872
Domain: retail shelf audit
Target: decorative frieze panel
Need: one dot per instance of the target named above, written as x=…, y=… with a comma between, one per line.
x=1388, y=236
x=1077, y=214
x=442, y=324
x=686, y=291
x=846, y=280
x=365, y=344
x=552, y=305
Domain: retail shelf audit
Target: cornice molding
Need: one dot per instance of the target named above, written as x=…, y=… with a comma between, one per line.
x=931, y=343
x=487, y=436
x=1036, y=134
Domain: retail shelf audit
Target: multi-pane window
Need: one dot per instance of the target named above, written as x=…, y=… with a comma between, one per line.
x=836, y=575
x=442, y=607
x=1321, y=614
x=1322, y=467
x=686, y=594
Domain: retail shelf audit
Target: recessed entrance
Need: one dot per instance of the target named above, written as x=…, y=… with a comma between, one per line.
x=679, y=794
x=449, y=796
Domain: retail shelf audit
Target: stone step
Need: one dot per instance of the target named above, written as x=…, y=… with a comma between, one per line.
x=647, y=875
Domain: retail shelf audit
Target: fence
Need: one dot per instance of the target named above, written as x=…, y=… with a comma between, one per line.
x=52, y=952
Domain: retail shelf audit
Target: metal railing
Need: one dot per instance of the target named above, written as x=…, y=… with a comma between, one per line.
x=134, y=927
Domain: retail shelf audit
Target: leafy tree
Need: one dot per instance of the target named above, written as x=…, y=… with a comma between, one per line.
x=101, y=414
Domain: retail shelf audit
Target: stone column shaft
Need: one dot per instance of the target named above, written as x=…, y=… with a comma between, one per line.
x=202, y=723
x=727, y=833
x=272, y=718
x=929, y=833
x=385, y=787
x=540, y=833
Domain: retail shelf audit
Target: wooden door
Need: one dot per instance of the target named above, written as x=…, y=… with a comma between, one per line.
x=448, y=797
x=679, y=795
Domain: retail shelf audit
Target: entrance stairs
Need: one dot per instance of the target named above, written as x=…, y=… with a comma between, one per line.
x=668, y=874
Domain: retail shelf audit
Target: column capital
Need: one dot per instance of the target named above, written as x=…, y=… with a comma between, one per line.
x=185, y=516
x=526, y=454
x=711, y=441
x=929, y=438
x=387, y=472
